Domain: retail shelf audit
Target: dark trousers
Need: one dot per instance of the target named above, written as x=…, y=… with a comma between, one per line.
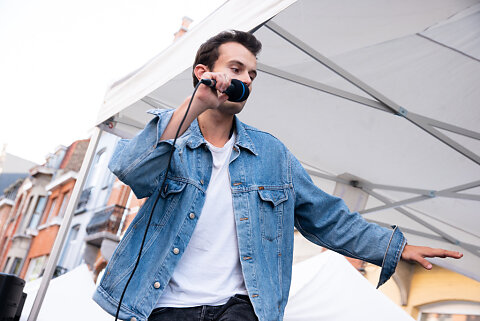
x=238, y=308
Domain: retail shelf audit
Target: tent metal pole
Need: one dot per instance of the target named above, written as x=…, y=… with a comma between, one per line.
x=156, y=103
x=448, y=47
x=448, y=127
x=471, y=248
x=461, y=196
x=443, y=236
x=444, y=193
x=64, y=227
x=369, y=90
x=428, y=122
x=450, y=193
x=393, y=204
x=420, y=191
x=322, y=87
x=415, y=218
x=326, y=176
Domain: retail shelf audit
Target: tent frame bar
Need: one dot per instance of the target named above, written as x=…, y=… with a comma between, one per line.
x=368, y=188
x=472, y=248
x=445, y=46
x=397, y=109
x=322, y=87
x=469, y=247
x=362, y=100
x=449, y=192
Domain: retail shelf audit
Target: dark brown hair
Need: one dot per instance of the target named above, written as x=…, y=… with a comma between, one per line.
x=208, y=53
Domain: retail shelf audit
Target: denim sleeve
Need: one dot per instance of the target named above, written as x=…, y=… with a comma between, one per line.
x=326, y=220
x=139, y=162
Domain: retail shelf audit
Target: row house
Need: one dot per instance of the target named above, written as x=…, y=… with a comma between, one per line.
x=101, y=214
x=7, y=202
x=95, y=200
x=28, y=205
x=38, y=206
x=59, y=190
x=28, y=202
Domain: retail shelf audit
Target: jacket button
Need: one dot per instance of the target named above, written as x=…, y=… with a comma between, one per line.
x=176, y=251
x=156, y=285
x=201, y=181
x=191, y=215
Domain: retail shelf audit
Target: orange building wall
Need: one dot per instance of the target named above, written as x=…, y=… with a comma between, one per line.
x=12, y=227
x=42, y=243
x=135, y=205
x=119, y=194
x=4, y=214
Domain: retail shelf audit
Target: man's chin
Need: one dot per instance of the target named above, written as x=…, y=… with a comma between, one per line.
x=232, y=108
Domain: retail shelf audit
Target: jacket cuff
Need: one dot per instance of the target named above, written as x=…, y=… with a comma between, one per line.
x=110, y=305
x=392, y=255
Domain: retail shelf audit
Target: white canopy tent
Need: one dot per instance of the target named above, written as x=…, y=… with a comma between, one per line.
x=318, y=284
x=69, y=298
x=381, y=95
x=70, y=295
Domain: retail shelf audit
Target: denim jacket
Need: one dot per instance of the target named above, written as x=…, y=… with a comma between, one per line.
x=272, y=194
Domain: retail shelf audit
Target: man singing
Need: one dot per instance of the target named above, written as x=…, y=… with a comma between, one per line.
x=220, y=242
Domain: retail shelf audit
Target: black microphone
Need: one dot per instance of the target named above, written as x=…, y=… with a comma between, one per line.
x=236, y=92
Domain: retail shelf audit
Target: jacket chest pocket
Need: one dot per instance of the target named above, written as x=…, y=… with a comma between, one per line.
x=271, y=211
x=170, y=195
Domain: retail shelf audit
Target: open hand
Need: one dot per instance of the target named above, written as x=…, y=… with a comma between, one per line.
x=418, y=254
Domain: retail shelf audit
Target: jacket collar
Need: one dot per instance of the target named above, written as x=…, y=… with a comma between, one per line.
x=243, y=139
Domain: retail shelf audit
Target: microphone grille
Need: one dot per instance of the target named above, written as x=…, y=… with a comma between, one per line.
x=237, y=91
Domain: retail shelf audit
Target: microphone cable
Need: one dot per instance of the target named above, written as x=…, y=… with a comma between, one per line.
x=172, y=149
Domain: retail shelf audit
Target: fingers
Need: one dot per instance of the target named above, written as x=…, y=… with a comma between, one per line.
x=222, y=79
x=430, y=252
x=419, y=253
x=427, y=265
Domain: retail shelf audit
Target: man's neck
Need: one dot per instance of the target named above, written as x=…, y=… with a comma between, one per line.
x=215, y=127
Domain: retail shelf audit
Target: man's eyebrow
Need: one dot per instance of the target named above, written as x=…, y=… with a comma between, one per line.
x=241, y=64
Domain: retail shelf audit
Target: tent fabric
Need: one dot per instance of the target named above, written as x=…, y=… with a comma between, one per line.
x=317, y=285
x=181, y=53
x=69, y=297
x=327, y=287
x=421, y=55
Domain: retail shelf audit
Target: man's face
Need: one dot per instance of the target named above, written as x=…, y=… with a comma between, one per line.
x=238, y=63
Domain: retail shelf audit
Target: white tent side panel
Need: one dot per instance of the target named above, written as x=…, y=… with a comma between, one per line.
x=327, y=287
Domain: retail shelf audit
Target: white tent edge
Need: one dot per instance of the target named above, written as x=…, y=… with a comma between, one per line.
x=179, y=55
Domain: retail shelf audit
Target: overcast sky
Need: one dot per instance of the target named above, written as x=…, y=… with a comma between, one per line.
x=57, y=58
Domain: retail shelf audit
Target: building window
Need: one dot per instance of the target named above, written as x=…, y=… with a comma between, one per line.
x=72, y=236
x=449, y=317
x=25, y=209
x=36, y=268
x=15, y=269
x=51, y=210
x=6, y=265
x=99, y=163
x=450, y=311
x=42, y=200
x=63, y=207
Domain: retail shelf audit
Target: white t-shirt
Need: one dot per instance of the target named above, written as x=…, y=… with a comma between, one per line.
x=209, y=272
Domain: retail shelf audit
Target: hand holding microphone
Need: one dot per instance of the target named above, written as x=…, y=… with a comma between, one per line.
x=236, y=92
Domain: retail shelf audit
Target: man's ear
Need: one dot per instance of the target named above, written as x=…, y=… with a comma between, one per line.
x=199, y=70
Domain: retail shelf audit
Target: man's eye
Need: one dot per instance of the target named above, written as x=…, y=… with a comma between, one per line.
x=235, y=70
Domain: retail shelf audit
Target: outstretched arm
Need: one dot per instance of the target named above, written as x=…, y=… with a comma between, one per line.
x=412, y=253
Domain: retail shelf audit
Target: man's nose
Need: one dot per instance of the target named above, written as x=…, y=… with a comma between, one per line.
x=245, y=78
